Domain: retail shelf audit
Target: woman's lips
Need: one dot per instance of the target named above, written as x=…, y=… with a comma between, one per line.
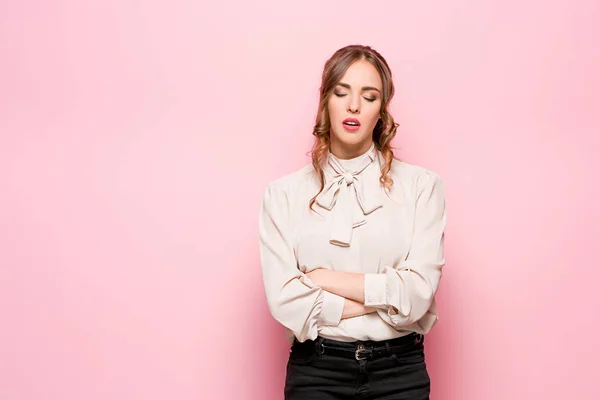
x=350, y=127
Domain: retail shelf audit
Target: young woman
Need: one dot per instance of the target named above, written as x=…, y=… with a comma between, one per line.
x=352, y=246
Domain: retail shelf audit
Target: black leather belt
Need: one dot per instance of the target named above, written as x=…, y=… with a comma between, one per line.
x=363, y=350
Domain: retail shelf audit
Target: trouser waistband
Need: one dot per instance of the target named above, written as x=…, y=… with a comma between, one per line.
x=362, y=350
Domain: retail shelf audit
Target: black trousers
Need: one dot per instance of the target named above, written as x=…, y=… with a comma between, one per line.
x=314, y=374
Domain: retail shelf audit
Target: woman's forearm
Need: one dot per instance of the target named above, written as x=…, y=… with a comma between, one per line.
x=355, y=309
x=350, y=285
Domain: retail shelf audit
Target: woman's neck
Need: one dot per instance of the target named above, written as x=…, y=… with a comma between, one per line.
x=345, y=151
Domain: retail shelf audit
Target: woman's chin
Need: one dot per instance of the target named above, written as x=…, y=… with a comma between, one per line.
x=351, y=139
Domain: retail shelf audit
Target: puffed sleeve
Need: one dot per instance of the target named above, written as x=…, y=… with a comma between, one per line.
x=293, y=299
x=404, y=293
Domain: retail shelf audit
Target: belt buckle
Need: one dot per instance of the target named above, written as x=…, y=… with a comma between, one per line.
x=359, y=349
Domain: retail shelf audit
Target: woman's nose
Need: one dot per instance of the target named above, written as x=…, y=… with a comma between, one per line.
x=353, y=107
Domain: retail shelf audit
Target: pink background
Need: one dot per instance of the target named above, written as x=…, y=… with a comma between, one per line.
x=136, y=139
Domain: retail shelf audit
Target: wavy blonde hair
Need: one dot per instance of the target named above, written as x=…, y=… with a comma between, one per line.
x=385, y=128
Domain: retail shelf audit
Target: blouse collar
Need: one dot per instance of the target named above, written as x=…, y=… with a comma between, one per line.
x=355, y=164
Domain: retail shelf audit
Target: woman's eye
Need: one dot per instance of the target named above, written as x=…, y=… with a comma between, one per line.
x=366, y=98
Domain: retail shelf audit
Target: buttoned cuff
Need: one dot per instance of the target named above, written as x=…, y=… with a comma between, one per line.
x=332, y=309
x=375, y=290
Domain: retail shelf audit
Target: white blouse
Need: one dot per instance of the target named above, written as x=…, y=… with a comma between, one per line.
x=396, y=238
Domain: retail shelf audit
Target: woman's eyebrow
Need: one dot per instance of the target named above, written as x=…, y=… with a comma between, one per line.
x=363, y=88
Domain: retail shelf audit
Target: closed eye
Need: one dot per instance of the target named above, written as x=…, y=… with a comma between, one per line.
x=366, y=98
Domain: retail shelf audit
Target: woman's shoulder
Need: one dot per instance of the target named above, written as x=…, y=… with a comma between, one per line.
x=412, y=179
x=408, y=172
x=292, y=181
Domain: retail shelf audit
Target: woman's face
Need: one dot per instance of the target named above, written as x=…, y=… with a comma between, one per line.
x=356, y=96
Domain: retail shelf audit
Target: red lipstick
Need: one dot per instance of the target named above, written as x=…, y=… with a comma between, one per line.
x=351, y=124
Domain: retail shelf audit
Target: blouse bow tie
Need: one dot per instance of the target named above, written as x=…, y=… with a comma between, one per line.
x=343, y=190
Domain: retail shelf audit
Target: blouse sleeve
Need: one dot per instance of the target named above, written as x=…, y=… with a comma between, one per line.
x=293, y=299
x=404, y=293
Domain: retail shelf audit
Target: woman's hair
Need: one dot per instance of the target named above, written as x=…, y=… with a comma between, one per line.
x=385, y=128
